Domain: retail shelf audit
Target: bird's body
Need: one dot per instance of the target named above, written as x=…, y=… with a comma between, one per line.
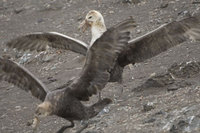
x=65, y=102
x=149, y=44
x=62, y=102
x=137, y=50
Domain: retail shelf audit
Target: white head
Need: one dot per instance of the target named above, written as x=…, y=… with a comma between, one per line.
x=95, y=20
x=44, y=109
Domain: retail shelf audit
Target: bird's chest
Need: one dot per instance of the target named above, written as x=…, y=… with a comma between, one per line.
x=71, y=109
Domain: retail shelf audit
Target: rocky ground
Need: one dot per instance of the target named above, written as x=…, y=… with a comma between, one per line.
x=160, y=94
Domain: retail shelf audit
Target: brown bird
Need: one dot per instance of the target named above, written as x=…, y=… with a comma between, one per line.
x=66, y=102
x=148, y=45
x=137, y=50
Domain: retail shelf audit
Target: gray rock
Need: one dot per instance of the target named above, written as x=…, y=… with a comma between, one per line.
x=164, y=5
x=148, y=106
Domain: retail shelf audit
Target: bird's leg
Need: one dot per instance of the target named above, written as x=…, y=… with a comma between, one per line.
x=63, y=128
x=120, y=82
x=120, y=91
x=34, y=124
x=99, y=96
x=121, y=87
x=85, y=125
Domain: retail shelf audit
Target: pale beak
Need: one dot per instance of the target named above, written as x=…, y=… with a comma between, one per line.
x=84, y=25
x=35, y=122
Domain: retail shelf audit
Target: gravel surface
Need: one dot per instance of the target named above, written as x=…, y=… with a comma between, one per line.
x=160, y=94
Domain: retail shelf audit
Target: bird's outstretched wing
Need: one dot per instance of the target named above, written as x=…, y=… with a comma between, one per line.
x=161, y=39
x=100, y=59
x=19, y=76
x=41, y=41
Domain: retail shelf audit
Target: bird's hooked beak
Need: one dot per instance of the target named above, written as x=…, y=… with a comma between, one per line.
x=36, y=122
x=84, y=25
x=44, y=109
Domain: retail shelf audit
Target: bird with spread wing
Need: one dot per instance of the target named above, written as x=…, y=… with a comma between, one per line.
x=138, y=49
x=66, y=102
x=148, y=45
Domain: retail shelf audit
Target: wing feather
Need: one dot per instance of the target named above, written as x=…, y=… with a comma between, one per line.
x=21, y=77
x=100, y=59
x=161, y=39
x=41, y=41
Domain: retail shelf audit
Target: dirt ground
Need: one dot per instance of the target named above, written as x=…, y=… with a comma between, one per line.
x=152, y=101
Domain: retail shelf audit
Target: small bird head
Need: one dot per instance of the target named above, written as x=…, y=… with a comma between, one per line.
x=44, y=109
x=92, y=18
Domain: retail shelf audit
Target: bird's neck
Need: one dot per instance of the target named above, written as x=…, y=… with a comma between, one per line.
x=97, y=30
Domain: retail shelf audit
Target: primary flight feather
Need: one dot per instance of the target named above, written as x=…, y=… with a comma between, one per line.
x=137, y=50
x=148, y=45
x=66, y=102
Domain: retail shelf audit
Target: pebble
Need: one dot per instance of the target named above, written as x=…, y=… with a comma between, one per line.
x=18, y=108
x=148, y=106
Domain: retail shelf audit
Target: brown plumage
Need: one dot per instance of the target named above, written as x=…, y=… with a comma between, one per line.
x=41, y=41
x=66, y=102
x=156, y=42
x=21, y=77
x=143, y=47
x=150, y=44
x=161, y=39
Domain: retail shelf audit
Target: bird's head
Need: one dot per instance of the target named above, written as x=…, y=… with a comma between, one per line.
x=44, y=109
x=93, y=18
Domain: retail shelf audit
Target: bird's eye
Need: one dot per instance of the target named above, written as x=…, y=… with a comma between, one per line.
x=89, y=17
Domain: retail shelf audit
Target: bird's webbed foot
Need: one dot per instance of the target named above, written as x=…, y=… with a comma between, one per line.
x=63, y=128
